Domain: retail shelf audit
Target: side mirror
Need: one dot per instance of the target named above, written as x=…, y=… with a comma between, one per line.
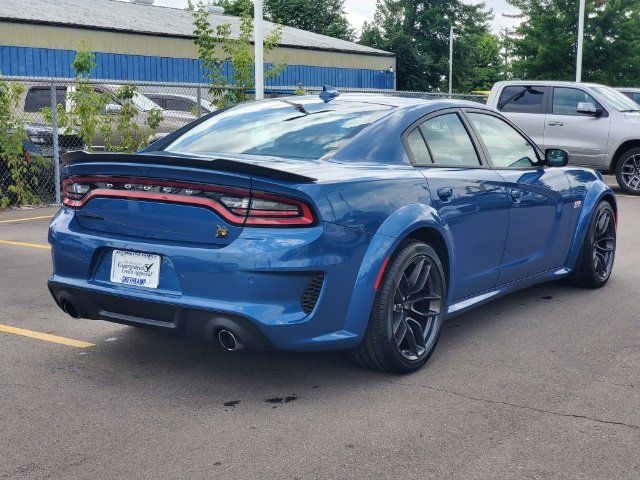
x=554, y=157
x=587, y=108
x=113, y=109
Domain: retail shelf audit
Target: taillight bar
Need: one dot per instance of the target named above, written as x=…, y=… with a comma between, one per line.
x=238, y=206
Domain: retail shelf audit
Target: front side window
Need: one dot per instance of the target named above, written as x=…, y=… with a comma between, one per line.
x=521, y=99
x=302, y=129
x=566, y=100
x=506, y=146
x=449, y=142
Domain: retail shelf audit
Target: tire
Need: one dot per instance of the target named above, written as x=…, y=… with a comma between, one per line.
x=598, y=251
x=413, y=285
x=628, y=171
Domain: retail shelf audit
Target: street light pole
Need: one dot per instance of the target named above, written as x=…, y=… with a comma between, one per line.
x=258, y=40
x=580, y=42
x=451, y=59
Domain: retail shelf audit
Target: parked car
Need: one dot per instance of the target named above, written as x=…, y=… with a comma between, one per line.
x=38, y=143
x=361, y=224
x=632, y=93
x=596, y=124
x=40, y=135
x=181, y=103
x=38, y=97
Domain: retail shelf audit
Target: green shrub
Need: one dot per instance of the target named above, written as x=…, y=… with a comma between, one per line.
x=19, y=174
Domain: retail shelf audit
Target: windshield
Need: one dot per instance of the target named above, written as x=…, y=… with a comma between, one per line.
x=291, y=128
x=617, y=100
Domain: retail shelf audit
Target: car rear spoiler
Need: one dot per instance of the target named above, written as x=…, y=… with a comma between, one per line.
x=223, y=164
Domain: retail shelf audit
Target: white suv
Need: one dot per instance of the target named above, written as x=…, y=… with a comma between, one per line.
x=596, y=124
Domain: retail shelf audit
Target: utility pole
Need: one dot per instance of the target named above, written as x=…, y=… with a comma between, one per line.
x=508, y=33
x=258, y=40
x=450, y=60
x=505, y=32
x=580, y=42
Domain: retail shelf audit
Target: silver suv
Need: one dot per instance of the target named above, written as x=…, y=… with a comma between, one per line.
x=596, y=124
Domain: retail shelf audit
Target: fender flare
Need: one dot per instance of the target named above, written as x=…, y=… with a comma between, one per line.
x=383, y=244
x=599, y=191
x=614, y=149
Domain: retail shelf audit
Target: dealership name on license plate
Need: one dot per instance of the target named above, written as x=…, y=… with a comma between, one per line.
x=135, y=268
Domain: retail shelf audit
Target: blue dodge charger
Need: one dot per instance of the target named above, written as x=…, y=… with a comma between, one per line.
x=352, y=222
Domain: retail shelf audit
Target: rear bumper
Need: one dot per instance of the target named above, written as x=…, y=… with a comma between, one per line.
x=256, y=284
x=86, y=303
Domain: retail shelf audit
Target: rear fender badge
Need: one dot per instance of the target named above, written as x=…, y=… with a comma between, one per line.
x=577, y=204
x=221, y=232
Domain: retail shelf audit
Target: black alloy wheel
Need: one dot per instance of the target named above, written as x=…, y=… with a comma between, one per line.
x=416, y=308
x=604, y=244
x=408, y=312
x=595, y=262
x=628, y=171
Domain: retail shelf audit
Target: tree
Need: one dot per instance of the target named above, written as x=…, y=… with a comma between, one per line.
x=417, y=31
x=86, y=114
x=235, y=8
x=326, y=17
x=545, y=44
x=216, y=48
x=477, y=62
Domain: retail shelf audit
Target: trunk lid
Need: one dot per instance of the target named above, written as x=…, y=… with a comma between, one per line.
x=164, y=197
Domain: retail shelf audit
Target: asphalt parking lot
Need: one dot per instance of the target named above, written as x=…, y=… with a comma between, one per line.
x=544, y=383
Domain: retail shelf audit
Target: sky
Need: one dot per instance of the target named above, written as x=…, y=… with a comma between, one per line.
x=359, y=11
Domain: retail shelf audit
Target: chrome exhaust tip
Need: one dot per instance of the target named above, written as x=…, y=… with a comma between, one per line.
x=229, y=341
x=70, y=310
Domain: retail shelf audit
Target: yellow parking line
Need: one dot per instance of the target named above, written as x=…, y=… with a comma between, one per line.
x=42, y=246
x=28, y=219
x=46, y=337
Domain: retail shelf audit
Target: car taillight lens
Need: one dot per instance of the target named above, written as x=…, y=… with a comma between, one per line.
x=238, y=206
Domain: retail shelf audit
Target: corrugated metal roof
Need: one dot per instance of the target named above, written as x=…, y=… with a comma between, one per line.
x=153, y=20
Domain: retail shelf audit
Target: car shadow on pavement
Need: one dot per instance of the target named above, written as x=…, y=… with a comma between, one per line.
x=190, y=370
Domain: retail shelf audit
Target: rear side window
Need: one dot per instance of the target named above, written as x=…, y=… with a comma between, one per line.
x=418, y=148
x=521, y=99
x=566, y=100
x=448, y=141
x=40, y=97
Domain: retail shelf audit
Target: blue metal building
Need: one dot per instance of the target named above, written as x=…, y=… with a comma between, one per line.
x=140, y=42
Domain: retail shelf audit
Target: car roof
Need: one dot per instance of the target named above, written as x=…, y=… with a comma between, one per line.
x=398, y=101
x=628, y=89
x=172, y=95
x=549, y=83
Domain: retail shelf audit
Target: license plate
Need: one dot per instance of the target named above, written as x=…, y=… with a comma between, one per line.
x=135, y=268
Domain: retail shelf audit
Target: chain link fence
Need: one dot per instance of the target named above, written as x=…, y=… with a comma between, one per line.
x=47, y=111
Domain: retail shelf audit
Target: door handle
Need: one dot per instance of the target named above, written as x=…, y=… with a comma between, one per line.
x=555, y=123
x=445, y=193
x=516, y=195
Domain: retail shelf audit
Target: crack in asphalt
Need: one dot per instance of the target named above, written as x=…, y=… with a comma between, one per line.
x=516, y=405
x=23, y=385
